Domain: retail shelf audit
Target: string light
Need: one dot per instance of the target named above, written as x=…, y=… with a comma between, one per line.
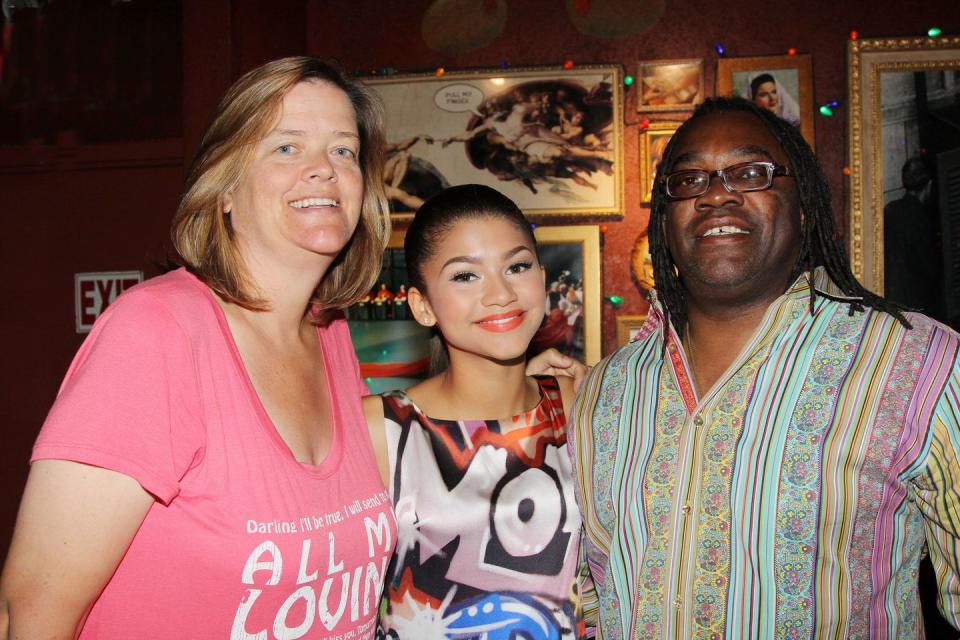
x=826, y=109
x=440, y=72
x=645, y=124
x=504, y=64
x=847, y=171
x=615, y=300
x=792, y=51
x=603, y=228
x=628, y=80
x=719, y=49
x=934, y=32
x=854, y=35
x=568, y=64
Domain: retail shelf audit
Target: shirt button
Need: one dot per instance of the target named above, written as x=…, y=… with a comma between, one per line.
x=698, y=421
x=677, y=602
x=685, y=509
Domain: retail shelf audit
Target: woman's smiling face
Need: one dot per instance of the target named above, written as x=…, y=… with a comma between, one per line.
x=484, y=289
x=300, y=197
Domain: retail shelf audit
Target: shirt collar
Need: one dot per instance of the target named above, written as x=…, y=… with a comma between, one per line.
x=798, y=291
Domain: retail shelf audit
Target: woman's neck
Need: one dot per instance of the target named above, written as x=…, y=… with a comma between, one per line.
x=478, y=388
x=285, y=291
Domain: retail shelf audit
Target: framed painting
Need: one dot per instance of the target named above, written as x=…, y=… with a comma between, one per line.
x=653, y=142
x=781, y=84
x=904, y=156
x=641, y=262
x=669, y=85
x=628, y=327
x=570, y=256
x=549, y=138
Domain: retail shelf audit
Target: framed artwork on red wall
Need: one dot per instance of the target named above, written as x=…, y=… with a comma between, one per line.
x=670, y=85
x=549, y=138
x=904, y=159
x=653, y=142
x=781, y=84
x=570, y=256
x=628, y=326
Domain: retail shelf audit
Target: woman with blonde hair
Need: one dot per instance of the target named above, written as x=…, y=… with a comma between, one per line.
x=205, y=471
x=191, y=479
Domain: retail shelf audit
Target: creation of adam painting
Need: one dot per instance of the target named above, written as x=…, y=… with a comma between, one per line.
x=550, y=139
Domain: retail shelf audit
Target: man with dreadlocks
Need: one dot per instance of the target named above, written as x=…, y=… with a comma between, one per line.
x=777, y=447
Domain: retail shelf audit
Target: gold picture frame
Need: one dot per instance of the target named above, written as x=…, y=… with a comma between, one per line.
x=627, y=326
x=577, y=249
x=868, y=62
x=669, y=85
x=549, y=138
x=793, y=79
x=653, y=141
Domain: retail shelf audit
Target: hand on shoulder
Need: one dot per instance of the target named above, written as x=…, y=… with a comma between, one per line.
x=553, y=363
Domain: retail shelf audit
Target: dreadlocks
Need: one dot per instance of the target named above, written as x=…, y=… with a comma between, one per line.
x=818, y=245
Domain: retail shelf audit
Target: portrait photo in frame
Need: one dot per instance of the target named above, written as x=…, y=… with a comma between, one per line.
x=902, y=98
x=550, y=139
x=653, y=142
x=628, y=326
x=669, y=85
x=782, y=84
x=394, y=349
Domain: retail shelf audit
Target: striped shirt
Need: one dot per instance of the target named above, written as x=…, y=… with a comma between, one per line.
x=794, y=499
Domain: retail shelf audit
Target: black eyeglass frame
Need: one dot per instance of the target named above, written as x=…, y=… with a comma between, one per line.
x=772, y=168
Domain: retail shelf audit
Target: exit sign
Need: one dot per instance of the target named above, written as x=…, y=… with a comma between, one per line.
x=95, y=291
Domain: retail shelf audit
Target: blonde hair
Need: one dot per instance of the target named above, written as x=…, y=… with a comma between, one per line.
x=201, y=231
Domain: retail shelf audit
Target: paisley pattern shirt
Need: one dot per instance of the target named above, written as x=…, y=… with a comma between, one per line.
x=795, y=498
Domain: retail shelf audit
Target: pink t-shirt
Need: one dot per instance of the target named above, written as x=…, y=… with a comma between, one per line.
x=243, y=540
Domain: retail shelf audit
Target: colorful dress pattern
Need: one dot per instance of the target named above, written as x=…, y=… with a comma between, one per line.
x=794, y=499
x=488, y=527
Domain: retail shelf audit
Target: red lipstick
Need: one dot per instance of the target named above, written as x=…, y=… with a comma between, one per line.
x=501, y=322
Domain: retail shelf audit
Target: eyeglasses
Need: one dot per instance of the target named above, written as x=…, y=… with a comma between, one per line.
x=746, y=176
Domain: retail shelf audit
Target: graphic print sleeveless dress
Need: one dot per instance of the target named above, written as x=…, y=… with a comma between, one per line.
x=487, y=525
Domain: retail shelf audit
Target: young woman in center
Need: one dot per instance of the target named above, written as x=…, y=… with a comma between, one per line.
x=473, y=457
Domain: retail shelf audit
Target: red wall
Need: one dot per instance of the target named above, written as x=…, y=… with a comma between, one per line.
x=377, y=34
x=62, y=214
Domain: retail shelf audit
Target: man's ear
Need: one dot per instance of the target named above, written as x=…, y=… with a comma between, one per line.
x=420, y=307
